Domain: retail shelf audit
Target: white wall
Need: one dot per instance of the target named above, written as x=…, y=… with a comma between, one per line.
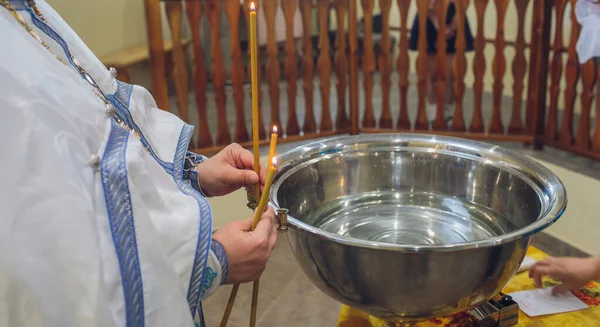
x=580, y=225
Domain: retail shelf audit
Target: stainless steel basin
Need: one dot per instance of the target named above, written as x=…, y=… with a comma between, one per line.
x=409, y=227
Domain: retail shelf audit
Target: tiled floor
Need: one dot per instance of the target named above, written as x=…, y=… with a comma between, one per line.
x=286, y=298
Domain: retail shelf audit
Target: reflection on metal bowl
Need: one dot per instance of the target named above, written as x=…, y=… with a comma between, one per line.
x=410, y=227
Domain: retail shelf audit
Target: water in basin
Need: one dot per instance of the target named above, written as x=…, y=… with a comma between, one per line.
x=412, y=218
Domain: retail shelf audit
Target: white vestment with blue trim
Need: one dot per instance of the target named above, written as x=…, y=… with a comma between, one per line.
x=95, y=230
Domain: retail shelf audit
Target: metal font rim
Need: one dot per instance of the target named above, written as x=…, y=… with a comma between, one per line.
x=554, y=208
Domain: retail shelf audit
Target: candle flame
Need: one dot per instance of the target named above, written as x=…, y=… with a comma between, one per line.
x=274, y=129
x=252, y=8
x=274, y=161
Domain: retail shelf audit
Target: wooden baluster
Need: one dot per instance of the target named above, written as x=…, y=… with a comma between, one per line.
x=324, y=64
x=518, y=69
x=498, y=68
x=157, y=53
x=596, y=142
x=588, y=77
x=537, y=27
x=402, y=64
x=341, y=63
x=291, y=67
x=422, y=65
x=180, y=79
x=353, y=39
x=440, y=70
x=310, y=126
x=261, y=125
x=539, y=61
x=385, y=65
x=459, y=66
x=232, y=9
x=555, y=71
x=572, y=76
x=213, y=12
x=479, y=67
x=272, y=67
x=194, y=14
x=368, y=62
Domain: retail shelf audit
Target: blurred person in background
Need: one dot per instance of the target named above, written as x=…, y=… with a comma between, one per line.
x=432, y=36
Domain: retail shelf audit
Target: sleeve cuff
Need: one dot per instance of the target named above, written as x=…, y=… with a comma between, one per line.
x=190, y=175
x=216, y=271
x=219, y=252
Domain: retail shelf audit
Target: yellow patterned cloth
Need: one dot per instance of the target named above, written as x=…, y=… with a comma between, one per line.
x=350, y=317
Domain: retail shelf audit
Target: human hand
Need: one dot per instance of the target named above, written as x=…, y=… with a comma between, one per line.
x=229, y=170
x=574, y=273
x=248, y=251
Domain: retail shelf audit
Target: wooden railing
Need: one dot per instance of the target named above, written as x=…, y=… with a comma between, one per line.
x=361, y=63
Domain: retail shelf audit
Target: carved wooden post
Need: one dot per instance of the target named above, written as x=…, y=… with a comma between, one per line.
x=310, y=126
x=157, y=54
x=213, y=12
x=324, y=65
x=194, y=14
x=402, y=65
x=440, y=70
x=422, y=65
x=353, y=39
x=479, y=67
x=460, y=66
x=341, y=63
x=291, y=69
x=180, y=79
x=499, y=68
x=539, y=68
x=572, y=75
x=368, y=63
x=519, y=68
x=385, y=65
x=556, y=71
x=588, y=77
x=272, y=67
x=232, y=9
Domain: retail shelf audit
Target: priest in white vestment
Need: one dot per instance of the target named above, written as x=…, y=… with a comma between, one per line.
x=104, y=220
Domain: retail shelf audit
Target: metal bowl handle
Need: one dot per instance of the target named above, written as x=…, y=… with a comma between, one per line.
x=282, y=219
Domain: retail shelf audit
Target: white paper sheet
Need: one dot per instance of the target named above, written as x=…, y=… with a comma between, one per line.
x=541, y=302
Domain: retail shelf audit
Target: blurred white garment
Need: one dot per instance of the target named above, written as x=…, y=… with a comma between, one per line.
x=588, y=15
